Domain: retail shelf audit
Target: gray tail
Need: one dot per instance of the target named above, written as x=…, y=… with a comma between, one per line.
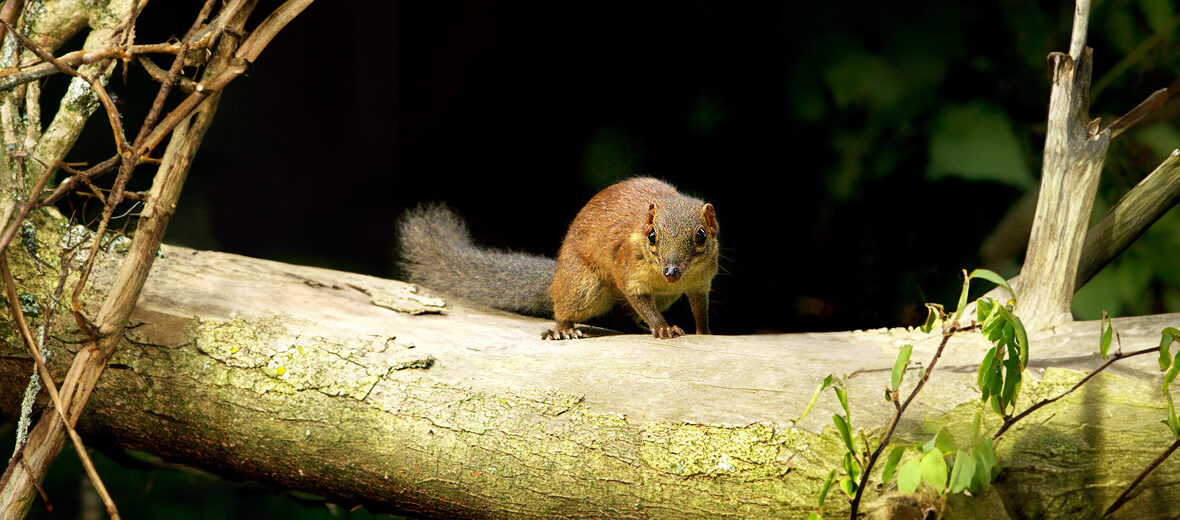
x=437, y=252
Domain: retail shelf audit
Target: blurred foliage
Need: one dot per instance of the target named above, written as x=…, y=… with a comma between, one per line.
x=976, y=142
x=908, y=83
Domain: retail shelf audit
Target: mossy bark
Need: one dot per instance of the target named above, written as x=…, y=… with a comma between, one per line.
x=309, y=379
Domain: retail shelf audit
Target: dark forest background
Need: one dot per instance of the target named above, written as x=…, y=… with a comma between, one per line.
x=859, y=154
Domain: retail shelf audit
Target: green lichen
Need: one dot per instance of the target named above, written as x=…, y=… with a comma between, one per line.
x=287, y=362
x=29, y=305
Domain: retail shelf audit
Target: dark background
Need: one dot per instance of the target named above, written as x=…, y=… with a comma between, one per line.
x=859, y=154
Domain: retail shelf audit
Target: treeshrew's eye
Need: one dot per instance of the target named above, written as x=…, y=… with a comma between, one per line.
x=700, y=238
x=651, y=237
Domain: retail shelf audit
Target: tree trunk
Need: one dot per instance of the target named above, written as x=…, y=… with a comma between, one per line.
x=310, y=379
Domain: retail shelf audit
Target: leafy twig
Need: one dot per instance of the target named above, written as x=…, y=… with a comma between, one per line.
x=864, y=476
x=1009, y=421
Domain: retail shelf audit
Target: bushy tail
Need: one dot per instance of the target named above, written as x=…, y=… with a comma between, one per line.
x=437, y=251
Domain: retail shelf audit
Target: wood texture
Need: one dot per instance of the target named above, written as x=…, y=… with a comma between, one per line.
x=1073, y=157
x=307, y=379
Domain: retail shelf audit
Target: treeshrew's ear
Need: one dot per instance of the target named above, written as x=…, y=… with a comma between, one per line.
x=709, y=216
x=651, y=214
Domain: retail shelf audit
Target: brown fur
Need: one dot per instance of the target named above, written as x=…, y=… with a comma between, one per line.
x=606, y=257
x=605, y=260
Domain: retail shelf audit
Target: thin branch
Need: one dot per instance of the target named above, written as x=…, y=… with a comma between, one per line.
x=160, y=75
x=269, y=28
x=44, y=497
x=31, y=203
x=1009, y=421
x=40, y=68
x=1130, y=217
x=1125, y=496
x=173, y=74
x=1142, y=110
x=78, y=177
x=246, y=54
x=112, y=112
x=26, y=335
x=1081, y=22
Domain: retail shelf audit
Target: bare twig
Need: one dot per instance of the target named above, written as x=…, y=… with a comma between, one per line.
x=40, y=69
x=160, y=75
x=1125, y=496
x=28, y=206
x=111, y=110
x=26, y=335
x=1142, y=110
x=187, y=124
x=44, y=497
x=78, y=177
x=247, y=53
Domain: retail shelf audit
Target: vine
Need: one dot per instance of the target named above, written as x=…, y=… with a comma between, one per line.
x=1000, y=375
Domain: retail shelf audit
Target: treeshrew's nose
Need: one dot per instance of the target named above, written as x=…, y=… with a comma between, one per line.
x=672, y=273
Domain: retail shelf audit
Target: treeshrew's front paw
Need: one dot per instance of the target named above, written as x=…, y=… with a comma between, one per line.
x=666, y=331
x=562, y=333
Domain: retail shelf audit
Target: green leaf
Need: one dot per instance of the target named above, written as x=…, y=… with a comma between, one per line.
x=987, y=451
x=891, y=463
x=1166, y=338
x=942, y=440
x=823, y=385
x=814, y=516
x=823, y=491
x=1171, y=421
x=1021, y=335
x=1011, y=382
x=1107, y=333
x=985, y=369
x=995, y=383
x=976, y=142
x=909, y=476
x=984, y=454
x=963, y=472
x=934, y=313
x=994, y=320
x=845, y=434
x=848, y=487
x=851, y=467
x=903, y=358
x=992, y=277
x=842, y=395
x=962, y=297
x=1171, y=375
x=983, y=309
x=1022, y=341
x=982, y=479
x=934, y=469
x=996, y=406
x=975, y=423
